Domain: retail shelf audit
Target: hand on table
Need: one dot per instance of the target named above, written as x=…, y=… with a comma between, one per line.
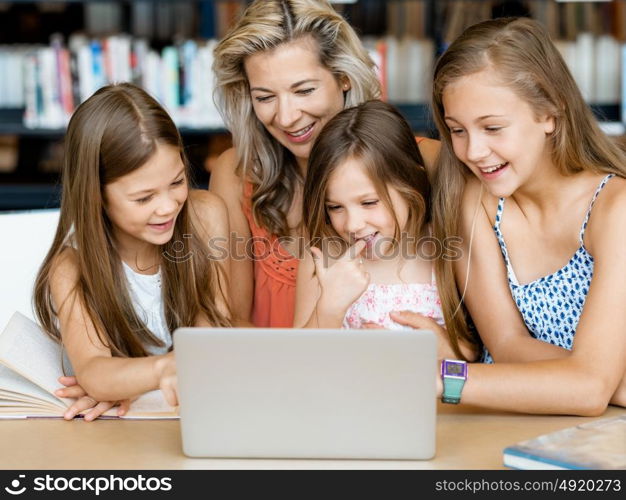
x=85, y=402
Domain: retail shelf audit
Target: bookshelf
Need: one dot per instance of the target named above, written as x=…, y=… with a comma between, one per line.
x=395, y=31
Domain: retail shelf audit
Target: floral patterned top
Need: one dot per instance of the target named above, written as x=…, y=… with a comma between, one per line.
x=380, y=299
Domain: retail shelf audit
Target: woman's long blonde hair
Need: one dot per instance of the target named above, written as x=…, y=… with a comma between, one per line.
x=265, y=25
x=524, y=59
x=110, y=135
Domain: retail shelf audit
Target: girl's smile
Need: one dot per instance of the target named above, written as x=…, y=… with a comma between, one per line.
x=486, y=121
x=165, y=226
x=494, y=171
x=356, y=211
x=144, y=204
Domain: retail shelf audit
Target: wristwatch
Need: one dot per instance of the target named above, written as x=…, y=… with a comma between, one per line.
x=453, y=376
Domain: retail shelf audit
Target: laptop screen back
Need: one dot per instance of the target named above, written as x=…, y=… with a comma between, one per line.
x=279, y=393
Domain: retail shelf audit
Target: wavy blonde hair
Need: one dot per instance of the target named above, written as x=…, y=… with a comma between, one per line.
x=525, y=60
x=265, y=25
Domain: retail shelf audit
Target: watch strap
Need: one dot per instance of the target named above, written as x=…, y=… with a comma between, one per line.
x=452, y=388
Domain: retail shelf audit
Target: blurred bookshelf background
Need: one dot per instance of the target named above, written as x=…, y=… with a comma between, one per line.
x=54, y=54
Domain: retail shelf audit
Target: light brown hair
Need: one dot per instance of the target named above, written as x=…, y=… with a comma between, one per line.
x=265, y=25
x=524, y=59
x=378, y=136
x=110, y=135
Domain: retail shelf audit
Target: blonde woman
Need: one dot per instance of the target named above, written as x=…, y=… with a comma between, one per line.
x=282, y=73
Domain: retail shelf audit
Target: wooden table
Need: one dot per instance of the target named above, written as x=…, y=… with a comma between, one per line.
x=467, y=438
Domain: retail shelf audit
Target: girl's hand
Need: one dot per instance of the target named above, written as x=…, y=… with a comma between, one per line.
x=71, y=390
x=84, y=401
x=370, y=325
x=166, y=372
x=424, y=322
x=97, y=408
x=344, y=282
x=417, y=320
x=421, y=322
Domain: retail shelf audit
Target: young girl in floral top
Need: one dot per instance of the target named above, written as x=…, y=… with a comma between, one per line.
x=366, y=210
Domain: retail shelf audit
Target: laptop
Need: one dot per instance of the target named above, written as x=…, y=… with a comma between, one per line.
x=307, y=393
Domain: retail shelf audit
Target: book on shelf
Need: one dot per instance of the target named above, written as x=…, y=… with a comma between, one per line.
x=56, y=79
x=142, y=18
x=31, y=363
x=607, y=82
x=49, y=82
x=547, y=14
x=600, y=444
x=103, y=17
x=226, y=13
x=619, y=19
x=594, y=62
x=460, y=15
x=163, y=20
x=404, y=66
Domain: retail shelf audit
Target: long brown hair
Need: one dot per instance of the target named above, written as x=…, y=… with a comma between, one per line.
x=378, y=136
x=111, y=134
x=265, y=25
x=525, y=60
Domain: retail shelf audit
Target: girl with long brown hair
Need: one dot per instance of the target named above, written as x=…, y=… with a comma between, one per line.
x=537, y=192
x=367, y=213
x=282, y=72
x=130, y=261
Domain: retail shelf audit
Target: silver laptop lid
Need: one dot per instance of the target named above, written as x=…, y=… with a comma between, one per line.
x=279, y=393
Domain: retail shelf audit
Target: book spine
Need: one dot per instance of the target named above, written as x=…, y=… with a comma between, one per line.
x=65, y=83
x=142, y=15
x=122, y=59
x=207, y=19
x=4, y=91
x=189, y=52
x=139, y=54
x=97, y=65
x=52, y=116
x=31, y=113
x=152, y=81
x=171, y=94
x=86, y=80
x=381, y=50
x=607, y=74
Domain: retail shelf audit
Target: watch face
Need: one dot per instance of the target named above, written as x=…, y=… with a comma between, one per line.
x=454, y=368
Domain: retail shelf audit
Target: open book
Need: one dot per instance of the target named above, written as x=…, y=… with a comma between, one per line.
x=600, y=444
x=30, y=365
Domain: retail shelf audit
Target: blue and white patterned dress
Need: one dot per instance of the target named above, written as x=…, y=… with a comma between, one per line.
x=551, y=306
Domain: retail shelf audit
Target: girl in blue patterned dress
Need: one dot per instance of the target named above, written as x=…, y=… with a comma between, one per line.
x=537, y=192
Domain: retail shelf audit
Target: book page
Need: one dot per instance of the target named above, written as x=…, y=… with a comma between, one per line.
x=32, y=366
x=28, y=351
x=150, y=405
x=14, y=387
